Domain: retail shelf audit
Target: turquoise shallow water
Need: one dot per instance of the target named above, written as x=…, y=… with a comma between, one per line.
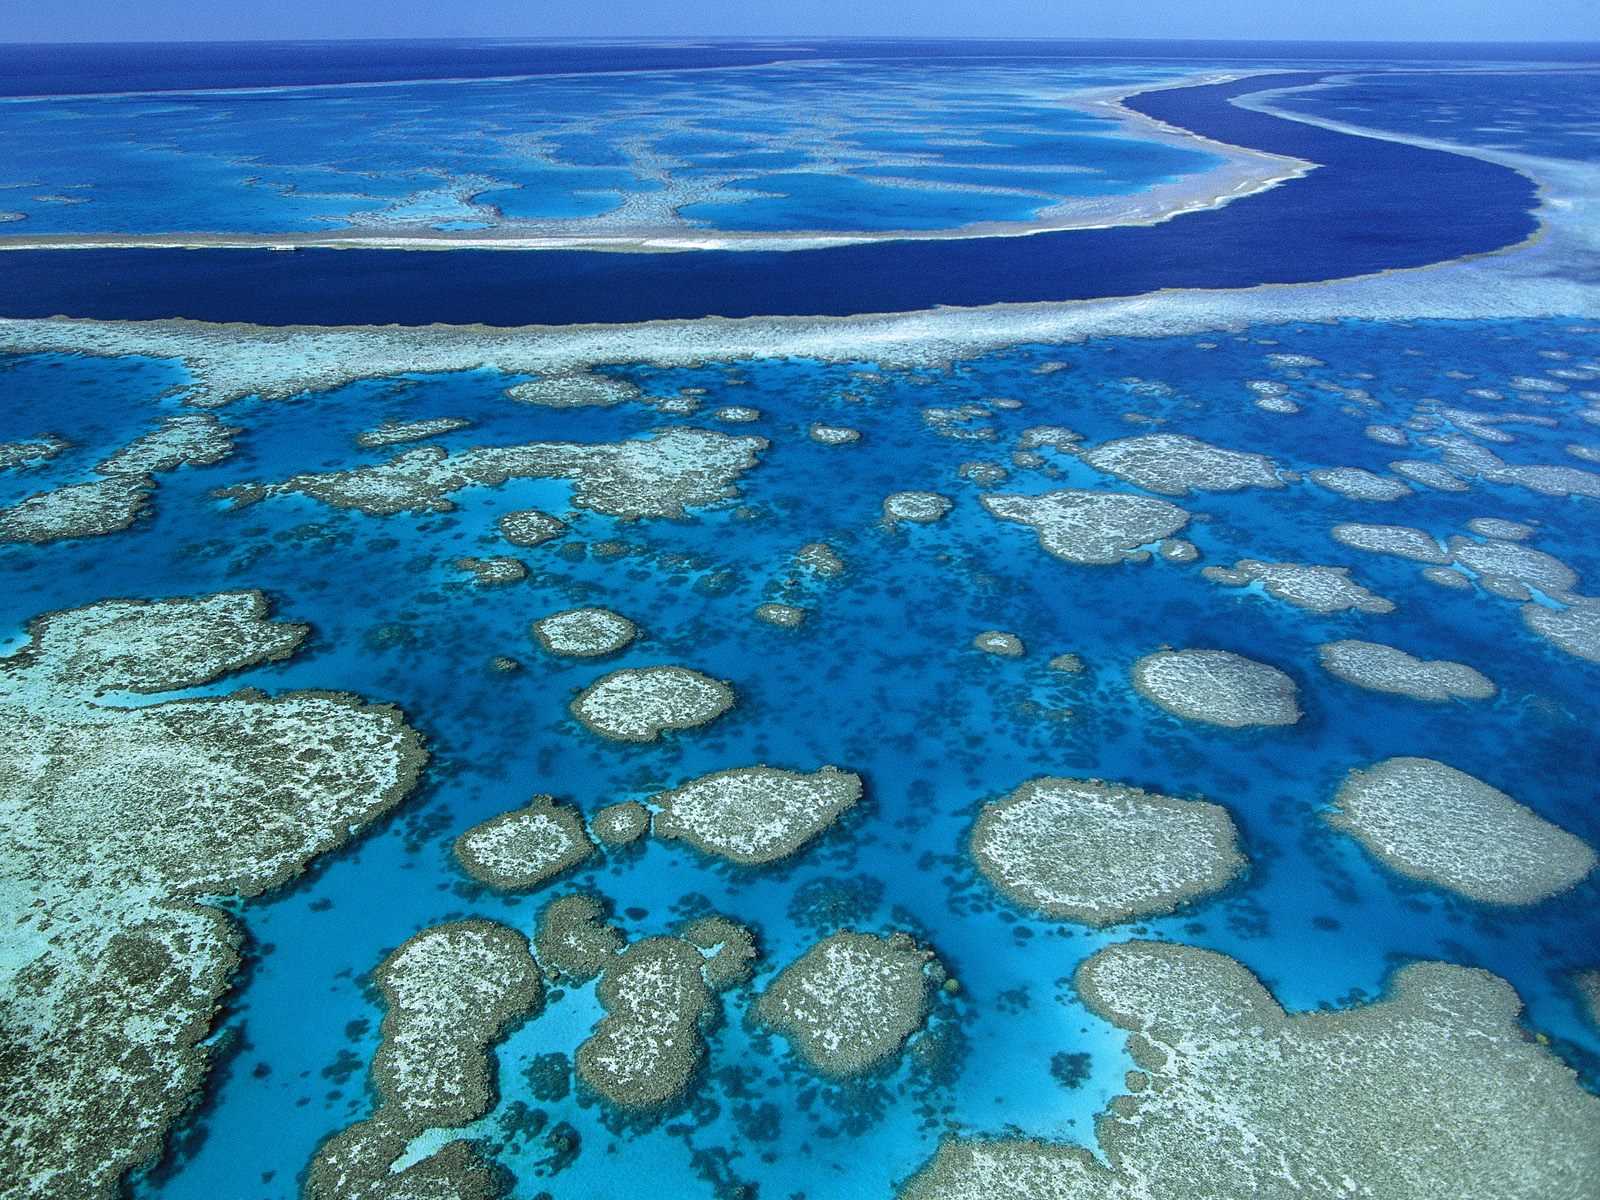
x=645, y=149
x=882, y=679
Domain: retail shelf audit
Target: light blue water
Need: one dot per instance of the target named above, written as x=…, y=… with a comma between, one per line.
x=881, y=680
x=561, y=152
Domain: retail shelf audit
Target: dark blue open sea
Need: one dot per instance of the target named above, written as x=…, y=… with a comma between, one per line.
x=882, y=678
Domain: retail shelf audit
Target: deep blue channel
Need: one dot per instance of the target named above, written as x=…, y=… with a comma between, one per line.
x=1371, y=205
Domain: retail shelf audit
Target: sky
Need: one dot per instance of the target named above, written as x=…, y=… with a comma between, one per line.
x=223, y=20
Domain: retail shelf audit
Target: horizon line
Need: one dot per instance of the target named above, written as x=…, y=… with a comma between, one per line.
x=667, y=39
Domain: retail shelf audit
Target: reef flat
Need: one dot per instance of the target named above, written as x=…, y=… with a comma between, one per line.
x=648, y=1046
x=1357, y=483
x=574, y=389
x=639, y=704
x=1310, y=586
x=530, y=527
x=574, y=939
x=492, y=572
x=884, y=676
x=118, y=499
x=526, y=847
x=1404, y=1097
x=1217, y=687
x=1399, y=540
x=785, y=616
x=1381, y=668
x=396, y=433
x=118, y=825
x=755, y=815
x=1103, y=853
x=919, y=508
x=1178, y=465
x=1431, y=822
x=16, y=455
x=1575, y=629
x=451, y=992
x=849, y=1003
x=999, y=643
x=585, y=632
x=833, y=435
x=619, y=824
x=656, y=476
x=1092, y=528
x=78, y=510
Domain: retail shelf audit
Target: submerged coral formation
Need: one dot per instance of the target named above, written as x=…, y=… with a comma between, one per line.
x=1101, y=853
x=1431, y=822
x=1406, y=1097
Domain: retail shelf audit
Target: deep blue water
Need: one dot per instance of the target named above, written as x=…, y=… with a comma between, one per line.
x=1555, y=113
x=1371, y=205
x=883, y=680
x=31, y=70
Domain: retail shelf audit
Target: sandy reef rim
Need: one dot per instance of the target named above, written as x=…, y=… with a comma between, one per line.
x=229, y=361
